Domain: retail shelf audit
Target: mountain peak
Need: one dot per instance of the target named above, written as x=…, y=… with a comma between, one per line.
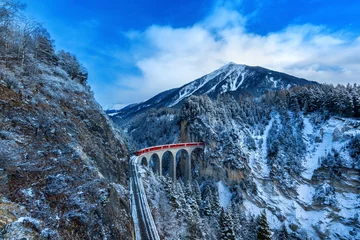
x=231, y=78
x=231, y=65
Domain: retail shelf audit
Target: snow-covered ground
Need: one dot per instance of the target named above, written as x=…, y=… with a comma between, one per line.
x=332, y=134
x=259, y=160
x=326, y=141
x=224, y=194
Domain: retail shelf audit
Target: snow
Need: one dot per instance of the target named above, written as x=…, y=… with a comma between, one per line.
x=258, y=159
x=297, y=211
x=242, y=79
x=28, y=192
x=252, y=208
x=191, y=88
x=121, y=191
x=224, y=194
x=305, y=193
x=229, y=69
x=231, y=77
x=233, y=85
x=347, y=202
x=308, y=129
x=264, y=166
x=28, y=219
x=320, y=149
x=274, y=82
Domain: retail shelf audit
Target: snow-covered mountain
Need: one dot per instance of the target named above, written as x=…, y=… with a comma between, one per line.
x=231, y=78
x=294, y=155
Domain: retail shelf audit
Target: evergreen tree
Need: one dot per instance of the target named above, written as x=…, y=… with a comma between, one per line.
x=207, y=208
x=234, y=212
x=226, y=226
x=216, y=201
x=197, y=192
x=249, y=227
x=207, y=203
x=283, y=235
x=263, y=232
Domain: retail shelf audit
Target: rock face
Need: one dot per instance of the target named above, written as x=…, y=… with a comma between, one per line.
x=232, y=78
x=60, y=159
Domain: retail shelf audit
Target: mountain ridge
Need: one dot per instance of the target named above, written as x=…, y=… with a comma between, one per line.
x=231, y=78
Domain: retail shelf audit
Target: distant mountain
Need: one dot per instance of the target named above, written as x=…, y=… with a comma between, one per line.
x=231, y=78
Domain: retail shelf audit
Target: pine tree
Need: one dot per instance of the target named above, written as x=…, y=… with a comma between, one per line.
x=192, y=216
x=283, y=235
x=263, y=228
x=207, y=203
x=197, y=192
x=207, y=208
x=250, y=228
x=226, y=226
x=234, y=212
x=216, y=201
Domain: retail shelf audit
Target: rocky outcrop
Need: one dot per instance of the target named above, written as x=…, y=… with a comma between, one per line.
x=62, y=158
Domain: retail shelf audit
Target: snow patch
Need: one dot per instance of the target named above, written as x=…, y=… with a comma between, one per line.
x=224, y=194
x=264, y=166
x=305, y=193
x=321, y=142
x=28, y=192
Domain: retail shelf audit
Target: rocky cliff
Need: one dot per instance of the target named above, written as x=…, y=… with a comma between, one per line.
x=63, y=167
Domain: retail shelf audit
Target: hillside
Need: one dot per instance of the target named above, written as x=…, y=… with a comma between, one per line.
x=62, y=164
x=293, y=153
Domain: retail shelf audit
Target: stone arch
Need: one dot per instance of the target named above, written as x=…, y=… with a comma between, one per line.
x=167, y=164
x=182, y=165
x=155, y=163
x=144, y=161
x=196, y=162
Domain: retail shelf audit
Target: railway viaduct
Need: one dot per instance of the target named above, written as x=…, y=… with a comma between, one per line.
x=146, y=157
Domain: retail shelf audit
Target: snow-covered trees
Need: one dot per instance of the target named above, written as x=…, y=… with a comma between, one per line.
x=26, y=45
x=354, y=150
x=9, y=10
x=226, y=226
x=283, y=234
x=70, y=64
x=263, y=232
x=339, y=100
x=44, y=48
x=325, y=195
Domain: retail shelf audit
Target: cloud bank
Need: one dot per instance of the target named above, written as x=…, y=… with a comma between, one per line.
x=169, y=57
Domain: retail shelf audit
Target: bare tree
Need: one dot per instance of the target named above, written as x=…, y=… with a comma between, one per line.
x=28, y=29
x=8, y=13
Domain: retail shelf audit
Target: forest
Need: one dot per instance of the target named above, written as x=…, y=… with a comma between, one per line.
x=26, y=46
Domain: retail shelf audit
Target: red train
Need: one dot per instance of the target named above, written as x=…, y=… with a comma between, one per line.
x=175, y=145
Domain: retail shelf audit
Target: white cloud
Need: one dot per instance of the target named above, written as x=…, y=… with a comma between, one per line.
x=170, y=57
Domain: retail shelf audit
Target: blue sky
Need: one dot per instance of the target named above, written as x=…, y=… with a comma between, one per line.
x=136, y=49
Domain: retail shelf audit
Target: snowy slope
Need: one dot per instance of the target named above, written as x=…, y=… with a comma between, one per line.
x=313, y=220
x=231, y=78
